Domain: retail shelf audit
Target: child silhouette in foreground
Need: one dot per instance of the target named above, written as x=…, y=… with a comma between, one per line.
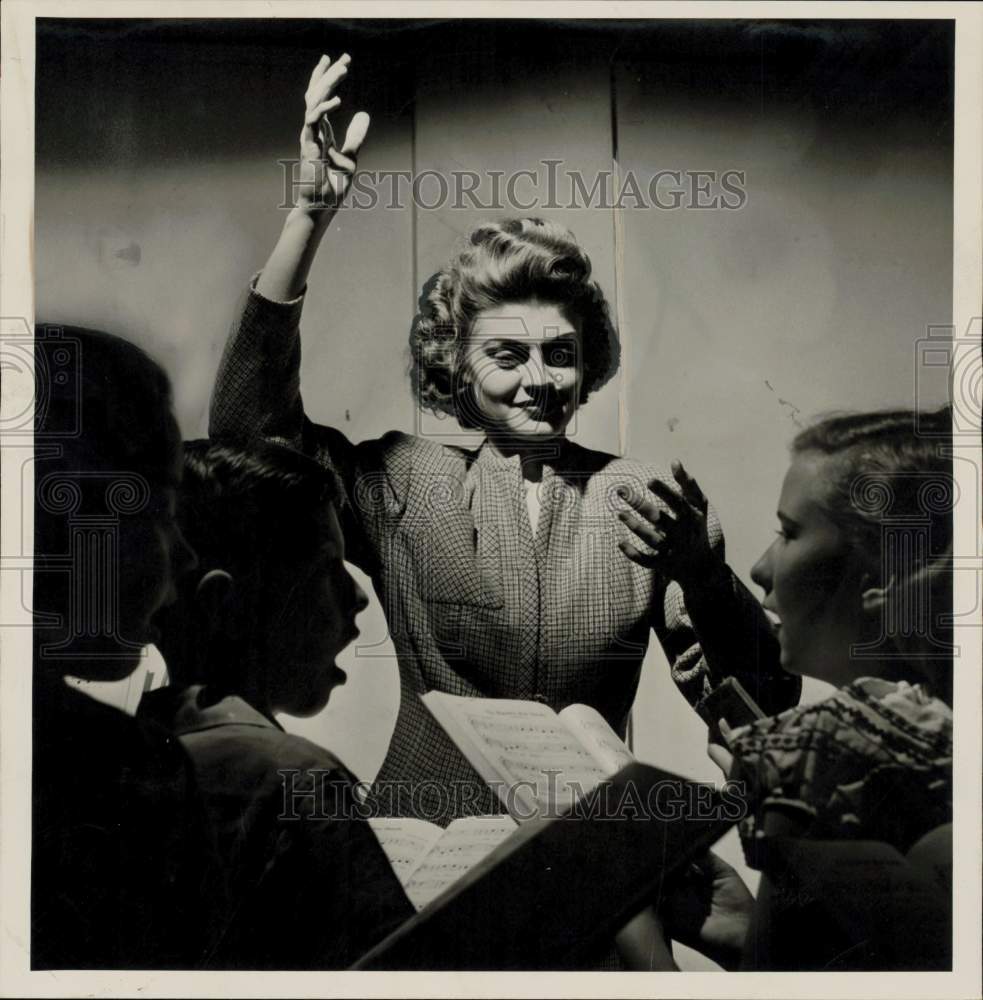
x=255, y=633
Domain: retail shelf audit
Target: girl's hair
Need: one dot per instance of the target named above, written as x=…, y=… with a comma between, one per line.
x=515, y=260
x=890, y=489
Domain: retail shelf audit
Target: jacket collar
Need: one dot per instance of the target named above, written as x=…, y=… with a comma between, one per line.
x=191, y=710
x=553, y=453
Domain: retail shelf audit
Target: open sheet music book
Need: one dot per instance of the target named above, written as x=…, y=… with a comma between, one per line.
x=554, y=893
x=538, y=761
x=427, y=859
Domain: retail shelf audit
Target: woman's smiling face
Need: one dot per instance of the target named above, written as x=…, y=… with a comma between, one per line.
x=522, y=360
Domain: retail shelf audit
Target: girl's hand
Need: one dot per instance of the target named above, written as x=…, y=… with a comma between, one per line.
x=719, y=753
x=709, y=908
x=678, y=535
x=643, y=946
x=325, y=172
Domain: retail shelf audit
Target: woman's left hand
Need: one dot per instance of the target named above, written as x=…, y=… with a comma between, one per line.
x=678, y=536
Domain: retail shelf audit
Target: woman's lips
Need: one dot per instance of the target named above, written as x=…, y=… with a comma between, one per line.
x=542, y=414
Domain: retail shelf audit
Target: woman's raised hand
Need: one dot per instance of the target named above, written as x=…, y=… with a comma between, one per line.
x=320, y=184
x=325, y=171
x=678, y=535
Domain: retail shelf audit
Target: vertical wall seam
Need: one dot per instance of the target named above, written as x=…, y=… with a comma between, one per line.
x=619, y=252
x=414, y=242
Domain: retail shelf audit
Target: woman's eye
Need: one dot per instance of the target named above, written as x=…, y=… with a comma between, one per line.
x=507, y=359
x=560, y=356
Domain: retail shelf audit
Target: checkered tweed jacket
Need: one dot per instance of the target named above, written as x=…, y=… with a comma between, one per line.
x=475, y=602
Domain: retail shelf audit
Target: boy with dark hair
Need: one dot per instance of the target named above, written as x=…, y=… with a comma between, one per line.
x=120, y=850
x=255, y=632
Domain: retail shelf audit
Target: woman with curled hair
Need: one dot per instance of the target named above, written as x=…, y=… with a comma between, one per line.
x=530, y=567
x=517, y=260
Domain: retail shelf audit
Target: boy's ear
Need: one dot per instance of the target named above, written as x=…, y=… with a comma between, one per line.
x=214, y=597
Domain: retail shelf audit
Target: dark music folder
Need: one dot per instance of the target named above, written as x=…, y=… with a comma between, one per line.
x=554, y=894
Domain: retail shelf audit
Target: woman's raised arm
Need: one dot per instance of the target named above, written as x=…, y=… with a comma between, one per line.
x=324, y=174
x=257, y=389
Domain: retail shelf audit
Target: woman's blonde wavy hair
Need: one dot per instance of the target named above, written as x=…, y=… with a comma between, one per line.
x=516, y=260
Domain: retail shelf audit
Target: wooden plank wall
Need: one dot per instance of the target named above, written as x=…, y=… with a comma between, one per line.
x=157, y=199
